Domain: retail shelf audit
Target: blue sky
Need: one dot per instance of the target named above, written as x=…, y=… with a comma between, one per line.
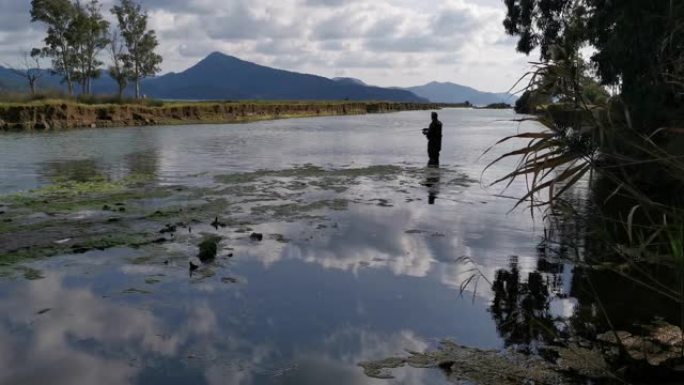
x=383, y=42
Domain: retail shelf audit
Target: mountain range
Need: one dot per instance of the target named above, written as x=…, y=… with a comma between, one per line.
x=224, y=77
x=456, y=93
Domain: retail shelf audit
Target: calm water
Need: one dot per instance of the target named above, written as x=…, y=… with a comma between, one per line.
x=363, y=283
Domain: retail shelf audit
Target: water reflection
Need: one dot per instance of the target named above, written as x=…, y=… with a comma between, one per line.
x=432, y=180
x=65, y=329
x=320, y=294
x=79, y=170
x=521, y=307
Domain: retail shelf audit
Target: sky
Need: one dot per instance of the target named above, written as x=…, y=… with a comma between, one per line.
x=382, y=42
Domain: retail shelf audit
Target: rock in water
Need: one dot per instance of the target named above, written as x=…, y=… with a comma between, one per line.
x=208, y=248
x=257, y=237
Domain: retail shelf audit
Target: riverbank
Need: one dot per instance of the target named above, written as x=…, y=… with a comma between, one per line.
x=60, y=115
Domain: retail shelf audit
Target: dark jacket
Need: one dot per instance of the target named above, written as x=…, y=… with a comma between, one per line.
x=434, y=136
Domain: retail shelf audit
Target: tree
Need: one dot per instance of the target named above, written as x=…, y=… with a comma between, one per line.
x=118, y=70
x=638, y=46
x=140, y=59
x=58, y=16
x=29, y=70
x=88, y=35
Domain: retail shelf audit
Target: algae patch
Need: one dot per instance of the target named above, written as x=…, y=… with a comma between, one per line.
x=462, y=364
x=309, y=171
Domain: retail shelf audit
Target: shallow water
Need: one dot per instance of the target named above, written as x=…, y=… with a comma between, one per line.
x=365, y=266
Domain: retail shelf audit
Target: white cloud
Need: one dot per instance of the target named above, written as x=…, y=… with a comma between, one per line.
x=384, y=42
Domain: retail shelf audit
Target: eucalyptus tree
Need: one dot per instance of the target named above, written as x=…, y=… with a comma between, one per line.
x=140, y=58
x=89, y=36
x=58, y=16
x=118, y=69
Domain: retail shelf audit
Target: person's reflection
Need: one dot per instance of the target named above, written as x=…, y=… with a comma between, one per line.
x=432, y=182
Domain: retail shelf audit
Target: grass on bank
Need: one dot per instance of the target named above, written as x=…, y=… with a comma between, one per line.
x=59, y=98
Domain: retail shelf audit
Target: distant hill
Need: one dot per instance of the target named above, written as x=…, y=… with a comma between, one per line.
x=223, y=77
x=220, y=76
x=456, y=93
x=354, y=81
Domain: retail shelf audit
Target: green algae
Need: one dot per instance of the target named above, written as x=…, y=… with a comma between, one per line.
x=96, y=193
x=27, y=254
x=85, y=244
x=133, y=290
x=208, y=248
x=35, y=223
x=295, y=210
x=152, y=280
x=309, y=171
x=32, y=274
x=280, y=238
x=463, y=364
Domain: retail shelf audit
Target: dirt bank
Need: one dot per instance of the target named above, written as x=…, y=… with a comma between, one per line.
x=59, y=116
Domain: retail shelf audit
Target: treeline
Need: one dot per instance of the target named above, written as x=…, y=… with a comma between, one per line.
x=78, y=36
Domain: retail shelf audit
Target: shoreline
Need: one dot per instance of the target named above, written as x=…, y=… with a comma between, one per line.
x=64, y=115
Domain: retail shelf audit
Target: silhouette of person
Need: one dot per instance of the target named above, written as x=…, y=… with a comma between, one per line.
x=434, y=137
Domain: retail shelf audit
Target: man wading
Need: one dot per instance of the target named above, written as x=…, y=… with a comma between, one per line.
x=434, y=137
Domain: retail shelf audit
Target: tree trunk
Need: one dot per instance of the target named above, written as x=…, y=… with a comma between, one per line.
x=137, y=89
x=121, y=91
x=32, y=85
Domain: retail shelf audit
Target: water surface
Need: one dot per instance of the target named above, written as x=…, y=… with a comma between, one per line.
x=373, y=267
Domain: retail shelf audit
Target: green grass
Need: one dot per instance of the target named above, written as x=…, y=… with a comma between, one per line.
x=154, y=103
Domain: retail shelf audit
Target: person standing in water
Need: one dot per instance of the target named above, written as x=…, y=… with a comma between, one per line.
x=434, y=137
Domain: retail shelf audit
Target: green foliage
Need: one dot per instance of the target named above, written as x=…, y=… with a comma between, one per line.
x=638, y=45
x=118, y=70
x=140, y=60
x=89, y=36
x=75, y=36
x=58, y=16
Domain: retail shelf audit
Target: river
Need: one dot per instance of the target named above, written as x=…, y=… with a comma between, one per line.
x=365, y=252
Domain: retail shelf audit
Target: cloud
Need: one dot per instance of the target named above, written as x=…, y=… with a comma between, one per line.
x=384, y=42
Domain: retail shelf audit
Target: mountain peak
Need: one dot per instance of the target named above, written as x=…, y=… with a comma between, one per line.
x=218, y=56
x=221, y=76
x=353, y=81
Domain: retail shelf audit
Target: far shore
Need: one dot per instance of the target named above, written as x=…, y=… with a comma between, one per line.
x=50, y=115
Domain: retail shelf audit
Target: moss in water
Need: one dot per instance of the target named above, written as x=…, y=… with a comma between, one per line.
x=135, y=291
x=92, y=194
x=279, y=238
x=26, y=254
x=309, y=171
x=294, y=210
x=99, y=242
x=208, y=248
x=488, y=367
x=152, y=280
x=32, y=274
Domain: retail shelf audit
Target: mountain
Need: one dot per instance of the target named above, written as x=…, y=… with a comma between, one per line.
x=223, y=77
x=355, y=81
x=456, y=93
x=220, y=76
